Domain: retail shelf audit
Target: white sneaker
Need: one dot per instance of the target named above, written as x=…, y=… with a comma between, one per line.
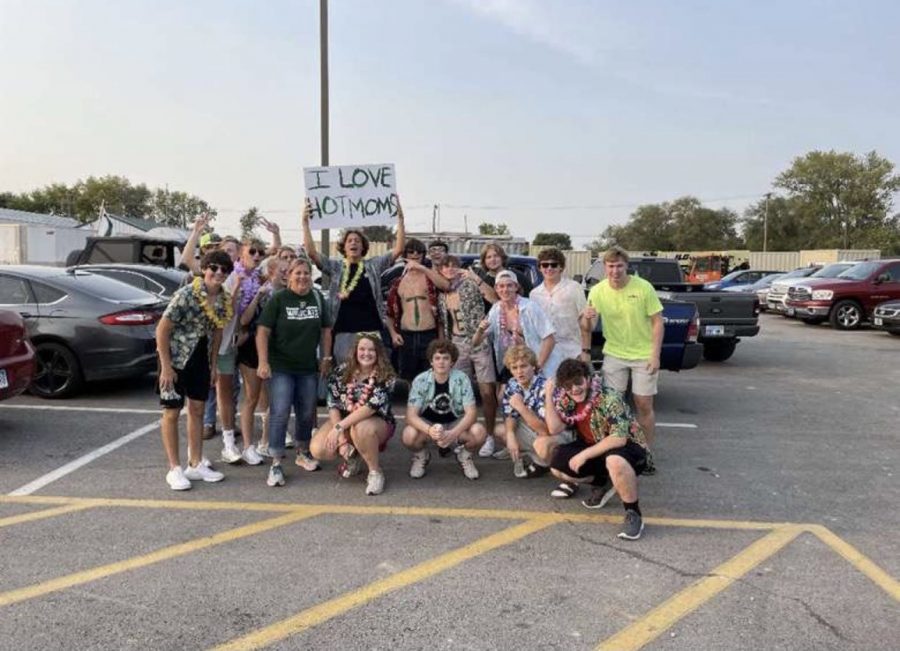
x=263, y=450
x=488, y=448
x=204, y=473
x=251, y=456
x=276, y=476
x=464, y=457
x=420, y=459
x=375, y=483
x=502, y=454
x=176, y=480
x=230, y=453
x=289, y=441
x=519, y=468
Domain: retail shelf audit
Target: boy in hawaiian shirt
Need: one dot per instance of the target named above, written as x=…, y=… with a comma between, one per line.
x=187, y=341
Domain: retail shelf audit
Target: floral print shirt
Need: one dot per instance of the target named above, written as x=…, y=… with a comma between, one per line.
x=533, y=396
x=610, y=415
x=379, y=400
x=190, y=322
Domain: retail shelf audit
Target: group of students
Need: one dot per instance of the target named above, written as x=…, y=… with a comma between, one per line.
x=452, y=329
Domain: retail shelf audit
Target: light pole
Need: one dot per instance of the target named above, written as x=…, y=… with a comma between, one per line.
x=766, y=224
x=323, y=77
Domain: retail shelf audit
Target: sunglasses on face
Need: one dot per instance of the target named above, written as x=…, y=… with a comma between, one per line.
x=549, y=265
x=216, y=268
x=408, y=253
x=255, y=251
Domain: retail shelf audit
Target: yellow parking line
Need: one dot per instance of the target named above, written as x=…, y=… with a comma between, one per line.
x=45, y=513
x=166, y=553
x=658, y=620
x=858, y=560
x=322, y=612
x=497, y=514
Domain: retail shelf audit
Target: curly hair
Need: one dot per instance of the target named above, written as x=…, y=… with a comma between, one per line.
x=384, y=372
x=571, y=371
x=353, y=231
x=443, y=346
x=519, y=353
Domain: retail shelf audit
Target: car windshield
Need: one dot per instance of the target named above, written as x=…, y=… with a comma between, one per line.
x=731, y=276
x=860, y=271
x=797, y=273
x=766, y=281
x=832, y=270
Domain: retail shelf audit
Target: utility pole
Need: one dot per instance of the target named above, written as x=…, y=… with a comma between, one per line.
x=434, y=210
x=323, y=77
x=766, y=224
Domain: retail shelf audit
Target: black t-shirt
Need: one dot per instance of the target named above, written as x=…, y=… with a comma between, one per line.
x=439, y=410
x=358, y=312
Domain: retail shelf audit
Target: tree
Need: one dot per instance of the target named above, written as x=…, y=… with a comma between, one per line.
x=678, y=225
x=844, y=199
x=249, y=221
x=378, y=233
x=486, y=228
x=82, y=201
x=561, y=241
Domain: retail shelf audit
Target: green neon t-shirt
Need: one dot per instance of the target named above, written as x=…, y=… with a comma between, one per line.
x=625, y=316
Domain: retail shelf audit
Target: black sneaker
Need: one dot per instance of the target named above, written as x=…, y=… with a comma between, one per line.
x=633, y=526
x=600, y=496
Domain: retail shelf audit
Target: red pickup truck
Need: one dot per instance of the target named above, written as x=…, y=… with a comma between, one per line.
x=848, y=300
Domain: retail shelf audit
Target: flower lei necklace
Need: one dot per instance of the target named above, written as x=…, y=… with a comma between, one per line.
x=210, y=312
x=349, y=284
x=571, y=412
x=365, y=393
x=507, y=337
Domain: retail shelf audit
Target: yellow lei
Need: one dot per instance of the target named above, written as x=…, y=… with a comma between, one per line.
x=210, y=312
x=349, y=284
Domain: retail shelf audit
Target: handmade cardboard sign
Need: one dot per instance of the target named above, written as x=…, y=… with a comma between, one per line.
x=351, y=195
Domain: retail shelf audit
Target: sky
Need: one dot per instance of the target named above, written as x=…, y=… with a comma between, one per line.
x=545, y=115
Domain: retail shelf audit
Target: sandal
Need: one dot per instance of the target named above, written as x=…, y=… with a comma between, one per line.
x=564, y=491
x=534, y=470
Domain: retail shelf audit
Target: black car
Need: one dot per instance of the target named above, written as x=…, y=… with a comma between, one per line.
x=887, y=317
x=83, y=326
x=162, y=281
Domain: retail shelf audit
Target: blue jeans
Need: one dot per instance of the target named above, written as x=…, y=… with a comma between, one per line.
x=287, y=390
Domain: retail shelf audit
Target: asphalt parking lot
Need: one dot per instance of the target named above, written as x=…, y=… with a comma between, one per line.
x=773, y=523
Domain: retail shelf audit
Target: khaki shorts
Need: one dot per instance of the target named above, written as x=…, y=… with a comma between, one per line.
x=616, y=372
x=526, y=437
x=478, y=364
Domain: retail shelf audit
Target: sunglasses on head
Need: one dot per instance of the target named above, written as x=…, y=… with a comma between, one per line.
x=216, y=268
x=549, y=265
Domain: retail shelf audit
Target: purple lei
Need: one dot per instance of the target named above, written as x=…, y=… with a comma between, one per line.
x=249, y=286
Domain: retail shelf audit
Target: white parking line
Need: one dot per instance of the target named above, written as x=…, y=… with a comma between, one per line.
x=72, y=466
x=101, y=410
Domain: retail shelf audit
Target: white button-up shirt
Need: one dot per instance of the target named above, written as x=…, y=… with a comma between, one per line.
x=562, y=305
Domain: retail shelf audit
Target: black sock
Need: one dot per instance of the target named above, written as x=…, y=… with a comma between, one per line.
x=632, y=506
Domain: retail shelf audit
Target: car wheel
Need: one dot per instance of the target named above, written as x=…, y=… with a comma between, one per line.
x=815, y=320
x=896, y=333
x=846, y=315
x=58, y=373
x=718, y=351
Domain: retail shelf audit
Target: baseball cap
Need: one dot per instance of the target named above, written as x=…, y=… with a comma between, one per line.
x=506, y=274
x=209, y=238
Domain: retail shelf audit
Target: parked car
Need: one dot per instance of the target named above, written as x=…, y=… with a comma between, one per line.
x=741, y=277
x=161, y=281
x=848, y=300
x=779, y=289
x=16, y=355
x=129, y=249
x=887, y=317
x=763, y=283
x=84, y=327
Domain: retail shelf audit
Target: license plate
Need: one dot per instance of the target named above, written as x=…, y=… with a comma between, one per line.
x=4, y=382
x=879, y=321
x=714, y=331
x=791, y=311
